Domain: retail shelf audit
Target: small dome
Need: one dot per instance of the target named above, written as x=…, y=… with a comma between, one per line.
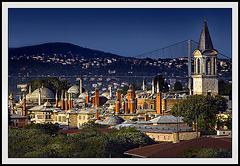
x=73, y=89
x=113, y=120
x=47, y=104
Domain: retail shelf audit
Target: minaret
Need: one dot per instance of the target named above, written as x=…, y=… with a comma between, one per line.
x=143, y=86
x=158, y=87
x=30, y=90
x=110, y=92
x=205, y=77
x=39, y=97
x=80, y=85
x=153, y=88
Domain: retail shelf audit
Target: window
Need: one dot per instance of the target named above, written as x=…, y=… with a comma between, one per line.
x=151, y=106
x=83, y=117
x=79, y=117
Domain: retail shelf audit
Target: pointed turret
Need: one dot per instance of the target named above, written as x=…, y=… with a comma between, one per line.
x=205, y=42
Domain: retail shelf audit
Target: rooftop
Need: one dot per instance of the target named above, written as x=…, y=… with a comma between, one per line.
x=169, y=149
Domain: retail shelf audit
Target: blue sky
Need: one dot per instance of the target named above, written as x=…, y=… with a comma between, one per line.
x=122, y=31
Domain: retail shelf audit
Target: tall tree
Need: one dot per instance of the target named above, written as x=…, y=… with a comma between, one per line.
x=163, y=85
x=201, y=109
x=178, y=86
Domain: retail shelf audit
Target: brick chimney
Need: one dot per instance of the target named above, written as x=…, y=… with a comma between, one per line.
x=69, y=100
x=62, y=102
x=87, y=98
x=132, y=106
x=24, y=105
x=66, y=102
x=119, y=96
x=159, y=104
x=96, y=97
x=125, y=106
x=117, y=106
x=97, y=114
x=56, y=100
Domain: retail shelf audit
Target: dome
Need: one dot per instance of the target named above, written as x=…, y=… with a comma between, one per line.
x=45, y=94
x=47, y=104
x=74, y=89
x=83, y=95
x=106, y=94
x=112, y=120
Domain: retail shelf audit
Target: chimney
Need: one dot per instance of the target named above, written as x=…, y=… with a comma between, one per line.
x=119, y=96
x=96, y=97
x=117, y=106
x=66, y=102
x=159, y=104
x=24, y=104
x=87, y=98
x=62, y=102
x=56, y=100
x=97, y=114
x=69, y=100
x=131, y=106
x=125, y=106
x=130, y=94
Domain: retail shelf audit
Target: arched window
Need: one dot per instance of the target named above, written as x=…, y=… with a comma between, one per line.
x=209, y=66
x=198, y=66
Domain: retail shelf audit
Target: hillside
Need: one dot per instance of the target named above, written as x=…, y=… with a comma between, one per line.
x=55, y=48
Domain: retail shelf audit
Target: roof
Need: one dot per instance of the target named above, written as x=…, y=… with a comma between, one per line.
x=112, y=120
x=167, y=119
x=148, y=128
x=205, y=42
x=169, y=149
x=74, y=89
x=45, y=94
x=16, y=116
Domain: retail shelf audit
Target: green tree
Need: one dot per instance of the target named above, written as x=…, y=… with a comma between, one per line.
x=53, y=83
x=189, y=152
x=224, y=88
x=200, y=108
x=91, y=125
x=214, y=153
x=178, y=86
x=163, y=85
x=47, y=128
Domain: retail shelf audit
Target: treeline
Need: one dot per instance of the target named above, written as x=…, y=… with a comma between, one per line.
x=47, y=142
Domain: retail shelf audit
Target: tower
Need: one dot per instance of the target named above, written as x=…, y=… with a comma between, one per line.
x=205, y=77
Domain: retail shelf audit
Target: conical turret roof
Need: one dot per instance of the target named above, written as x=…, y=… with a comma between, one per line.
x=205, y=42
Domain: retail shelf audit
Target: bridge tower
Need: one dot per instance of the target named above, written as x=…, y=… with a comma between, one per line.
x=205, y=77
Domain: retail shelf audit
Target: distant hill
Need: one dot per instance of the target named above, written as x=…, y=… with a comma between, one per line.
x=60, y=48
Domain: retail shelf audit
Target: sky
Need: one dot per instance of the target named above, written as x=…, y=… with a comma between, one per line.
x=122, y=31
